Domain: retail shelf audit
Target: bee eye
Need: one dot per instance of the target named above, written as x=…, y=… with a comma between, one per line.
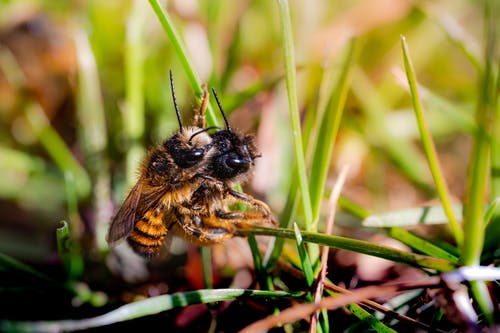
x=238, y=164
x=230, y=165
x=188, y=158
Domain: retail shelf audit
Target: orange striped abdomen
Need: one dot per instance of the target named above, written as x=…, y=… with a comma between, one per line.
x=149, y=233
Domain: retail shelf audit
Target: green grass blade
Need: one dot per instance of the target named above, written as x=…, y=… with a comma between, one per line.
x=353, y=208
x=474, y=224
x=493, y=228
x=304, y=258
x=492, y=211
x=482, y=294
x=429, y=148
x=291, y=85
x=183, y=57
x=421, y=245
x=358, y=246
x=150, y=306
x=265, y=280
x=285, y=218
x=478, y=168
x=329, y=126
x=288, y=213
x=369, y=319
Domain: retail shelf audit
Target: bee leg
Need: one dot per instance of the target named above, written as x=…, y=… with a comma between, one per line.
x=205, y=230
x=251, y=201
x=247, y=219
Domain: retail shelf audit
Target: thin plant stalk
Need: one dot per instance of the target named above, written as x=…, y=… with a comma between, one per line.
x=479, y=167
x=291, y=85
x=474, y=224
x=328, y=129
x=429, y=148
x=493, y=229
x=183, y=57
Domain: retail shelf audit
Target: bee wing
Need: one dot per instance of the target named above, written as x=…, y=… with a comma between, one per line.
x=137, y=202
x=124, y=220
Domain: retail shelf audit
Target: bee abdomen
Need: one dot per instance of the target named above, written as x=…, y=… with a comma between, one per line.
x=148, y=236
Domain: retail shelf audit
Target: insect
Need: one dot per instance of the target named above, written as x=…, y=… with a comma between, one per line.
x=185, y=186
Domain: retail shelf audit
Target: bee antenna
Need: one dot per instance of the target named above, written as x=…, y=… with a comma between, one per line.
x=175, y=101
x=221, y=110
x=201, y=131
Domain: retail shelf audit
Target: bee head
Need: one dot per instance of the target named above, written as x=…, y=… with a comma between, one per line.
x=189, y=146
x=233, y=155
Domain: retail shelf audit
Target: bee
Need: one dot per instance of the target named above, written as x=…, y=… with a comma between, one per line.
x=185, y=187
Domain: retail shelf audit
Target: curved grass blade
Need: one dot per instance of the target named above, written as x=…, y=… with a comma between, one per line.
x=141, y=308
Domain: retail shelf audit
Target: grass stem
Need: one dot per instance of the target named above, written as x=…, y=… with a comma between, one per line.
x=291, y=85
x=429, y=148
